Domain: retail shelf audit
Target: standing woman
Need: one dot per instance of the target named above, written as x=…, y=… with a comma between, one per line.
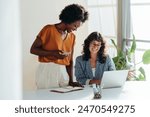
x=90, y=66
x=54, y=47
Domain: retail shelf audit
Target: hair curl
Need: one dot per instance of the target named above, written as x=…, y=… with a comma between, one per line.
x=72, y=13
x=94, y=36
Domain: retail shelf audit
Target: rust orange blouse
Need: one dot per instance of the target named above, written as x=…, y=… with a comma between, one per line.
x=52, y=40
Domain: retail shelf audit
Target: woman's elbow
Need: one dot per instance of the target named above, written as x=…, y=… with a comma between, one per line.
x=32, y=50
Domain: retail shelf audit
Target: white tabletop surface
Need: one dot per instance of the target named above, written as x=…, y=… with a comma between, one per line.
x=46, y=94
x=132, y=90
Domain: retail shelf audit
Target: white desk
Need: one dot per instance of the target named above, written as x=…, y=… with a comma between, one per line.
x=132, y=90
x=45, y=94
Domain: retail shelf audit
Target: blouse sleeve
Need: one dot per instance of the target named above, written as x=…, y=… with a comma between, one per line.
x=79, y=71
x=43, y=34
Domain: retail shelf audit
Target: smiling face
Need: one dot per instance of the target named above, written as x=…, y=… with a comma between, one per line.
x=73, y=26
x=94, y=46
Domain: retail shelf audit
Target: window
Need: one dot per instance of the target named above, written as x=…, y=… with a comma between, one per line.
x=140, y=25
x=103, y=18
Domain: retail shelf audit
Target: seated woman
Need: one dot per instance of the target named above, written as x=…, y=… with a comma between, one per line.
x=90, y=66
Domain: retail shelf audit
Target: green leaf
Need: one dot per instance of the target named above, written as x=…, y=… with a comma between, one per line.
x=120, y=53
x=146, y=57
x=113, y=42
x=133, y=47
x=118, y=50
x=142, y=71
x=140, y=77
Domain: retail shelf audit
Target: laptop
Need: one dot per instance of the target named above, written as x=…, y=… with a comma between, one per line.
x=114, y=79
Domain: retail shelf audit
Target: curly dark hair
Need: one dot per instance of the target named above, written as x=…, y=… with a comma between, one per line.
x=94, y=36
x=72, y=13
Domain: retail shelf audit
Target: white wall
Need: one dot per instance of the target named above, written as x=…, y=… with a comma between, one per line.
x=10, y=50
x=34, y=15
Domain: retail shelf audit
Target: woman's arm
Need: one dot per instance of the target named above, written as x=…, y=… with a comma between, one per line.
x=69, y=69
x=110, y=63
x=37, y=49
x=95, y=81
x=79, y=71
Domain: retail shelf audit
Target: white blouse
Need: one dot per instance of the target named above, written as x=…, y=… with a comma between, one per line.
x=88, y=80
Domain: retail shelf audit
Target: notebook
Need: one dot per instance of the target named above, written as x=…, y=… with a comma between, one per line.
x=114, y=79
x=66, y=89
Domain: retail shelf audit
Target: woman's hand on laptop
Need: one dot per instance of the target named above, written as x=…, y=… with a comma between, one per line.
x=95, y=81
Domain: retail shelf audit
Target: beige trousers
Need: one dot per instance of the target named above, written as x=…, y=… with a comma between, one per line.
x=50, y=75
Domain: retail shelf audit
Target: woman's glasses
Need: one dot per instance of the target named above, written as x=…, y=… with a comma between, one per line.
x=95, y=45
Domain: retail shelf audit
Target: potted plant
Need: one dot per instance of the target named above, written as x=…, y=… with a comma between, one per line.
x=123, y=60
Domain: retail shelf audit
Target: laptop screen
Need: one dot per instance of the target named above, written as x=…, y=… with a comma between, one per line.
x=114, y=79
